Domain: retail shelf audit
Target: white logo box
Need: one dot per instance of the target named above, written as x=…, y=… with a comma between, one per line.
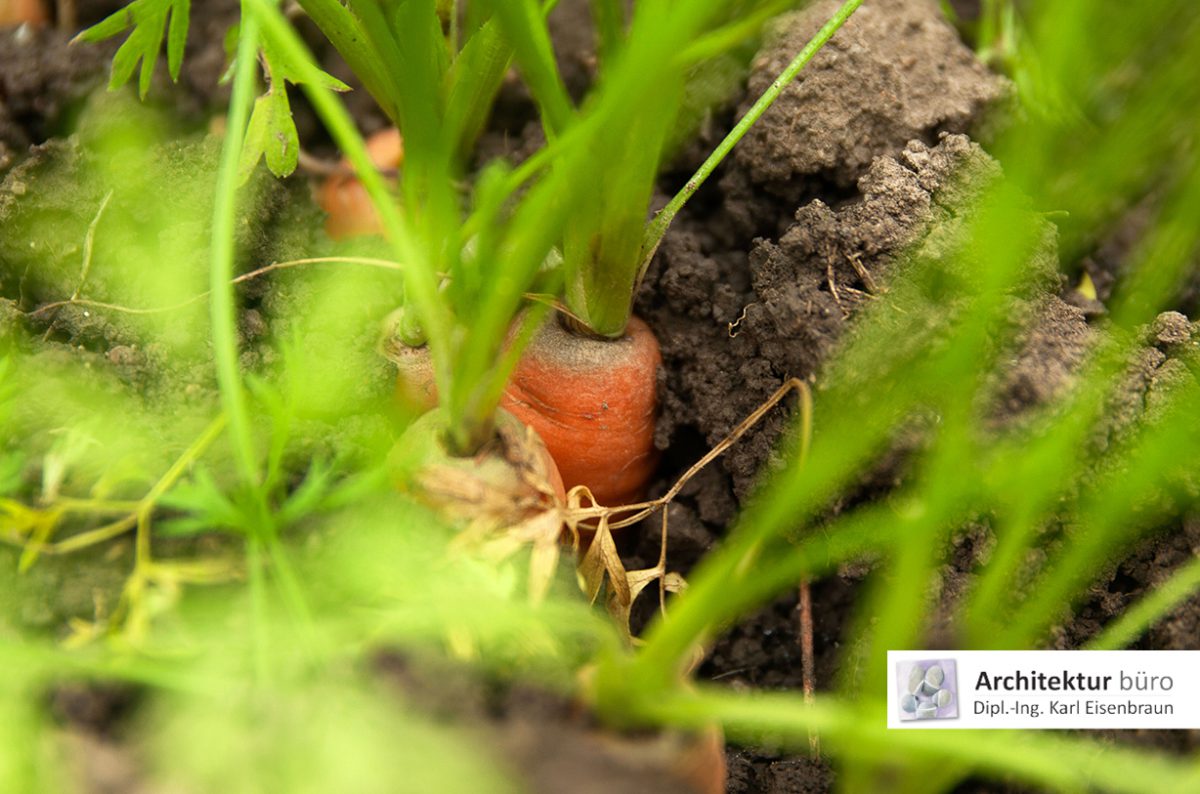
x=1052, y=690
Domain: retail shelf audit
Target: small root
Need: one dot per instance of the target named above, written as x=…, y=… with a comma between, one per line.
x=833, y=290
x=865, y=275
x=319, y=166
x=583, y=513
x=807, y=662
x=732, y=328
x=89, y=242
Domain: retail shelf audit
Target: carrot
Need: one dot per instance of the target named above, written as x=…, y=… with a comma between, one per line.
x=594, y=402
x=15, y=12
x=416, y=387
x=509, y=484
x=345, y=200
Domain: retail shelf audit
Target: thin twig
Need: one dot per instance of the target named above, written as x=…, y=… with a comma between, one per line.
x=867, y=279
x=829, y=276
x=732, y=328
x=85, y=269
x=253, y=274
x=807, y=664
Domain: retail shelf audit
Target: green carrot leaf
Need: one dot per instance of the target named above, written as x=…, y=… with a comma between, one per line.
x=177, y=38
x=148, y=19
x=525, y=26
x=475, y=79
x=271, y=133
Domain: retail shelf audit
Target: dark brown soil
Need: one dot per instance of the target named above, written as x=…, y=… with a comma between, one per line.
x=896, y=72
x=42, y=82
x=737, y=316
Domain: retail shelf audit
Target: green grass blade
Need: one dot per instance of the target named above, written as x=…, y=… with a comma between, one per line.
x=350, y=40
x=223, y=299
x=858, y=733
x=608, y=16
x=658, y=227
x=475, y=79
x=525, y=27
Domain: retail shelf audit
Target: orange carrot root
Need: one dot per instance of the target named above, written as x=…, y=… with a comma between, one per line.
x=594, y=404
x=16, y=12
x=416, y=387
x=346, y=201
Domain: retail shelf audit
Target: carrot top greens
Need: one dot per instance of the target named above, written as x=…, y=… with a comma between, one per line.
x=471, y=254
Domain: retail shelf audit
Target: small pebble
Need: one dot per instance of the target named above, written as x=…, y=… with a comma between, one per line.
x=926, y=711
x=942, y=698
x=908, y=703
x=916, y=677
x=1171, y=328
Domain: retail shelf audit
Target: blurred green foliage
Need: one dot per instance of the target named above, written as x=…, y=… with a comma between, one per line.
x=250, y=638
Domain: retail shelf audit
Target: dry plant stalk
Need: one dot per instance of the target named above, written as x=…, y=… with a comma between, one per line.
x=505, y=513
x=583, y=515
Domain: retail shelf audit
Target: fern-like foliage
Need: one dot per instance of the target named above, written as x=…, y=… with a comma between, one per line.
x=149, y=21
x=271, y=134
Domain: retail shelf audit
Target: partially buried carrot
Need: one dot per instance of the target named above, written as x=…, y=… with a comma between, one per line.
x=593, y=402
x=416, y=388
x=345, y=200
x=15, y=12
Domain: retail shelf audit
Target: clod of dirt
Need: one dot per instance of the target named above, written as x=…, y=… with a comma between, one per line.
x=119, y=218
x=1152, y=373
x=1170, y=330
x=732, y=331
x=896, y=71
x=548, y=742
x=42, y=80
x=92, y=707
x=1050, y=348
x=751, y=772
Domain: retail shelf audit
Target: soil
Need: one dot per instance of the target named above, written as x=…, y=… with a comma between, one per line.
x=763, y=282
x=896, y=72
x=862, y=160
x=42, y=81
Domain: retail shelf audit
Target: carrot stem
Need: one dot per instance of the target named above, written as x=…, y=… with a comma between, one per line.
x=658, y=227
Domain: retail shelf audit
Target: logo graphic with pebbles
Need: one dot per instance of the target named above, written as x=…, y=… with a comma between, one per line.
x=928, y=689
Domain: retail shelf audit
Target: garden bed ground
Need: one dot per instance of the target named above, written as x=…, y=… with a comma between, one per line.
x=759, y=281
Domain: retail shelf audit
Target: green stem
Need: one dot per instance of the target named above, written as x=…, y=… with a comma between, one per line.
x=658, y=227
x=223, y=309
x=345, y=32
x=420, y=278
x=857, y=730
